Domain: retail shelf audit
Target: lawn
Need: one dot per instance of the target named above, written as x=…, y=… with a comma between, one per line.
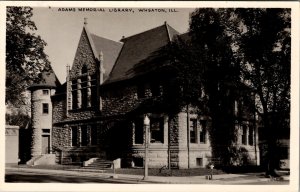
x=167, y=172
x=134, y=171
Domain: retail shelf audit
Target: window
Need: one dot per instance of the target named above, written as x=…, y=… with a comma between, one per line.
x=141, y=91
x=74, y=136
x=199, y=162
x=244, y=135
x=94, y=90
x=139, y=131
x=84, y=69
x=87, y=87
x=46, y=130
x=94, y=135
x=250, y=136
x=203, y=124
x=74, y=94
x=157, y=130
x=45, y=108
x=84, y=98
x=45, y=92
x=193, y=130
x=155, y=90
x=84, y=134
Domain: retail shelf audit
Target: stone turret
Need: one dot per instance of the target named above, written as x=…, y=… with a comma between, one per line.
x=41, y=111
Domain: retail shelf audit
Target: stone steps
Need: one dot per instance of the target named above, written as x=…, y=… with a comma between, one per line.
x=99, y=164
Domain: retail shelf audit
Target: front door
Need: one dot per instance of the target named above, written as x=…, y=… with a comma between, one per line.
x=45, y=144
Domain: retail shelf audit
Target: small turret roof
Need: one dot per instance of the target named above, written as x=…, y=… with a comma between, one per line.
x=47, y=79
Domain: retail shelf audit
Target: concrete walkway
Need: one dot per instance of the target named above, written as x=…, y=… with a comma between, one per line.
x=217, y=179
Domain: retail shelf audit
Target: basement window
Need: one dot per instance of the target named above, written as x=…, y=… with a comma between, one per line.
x=199, y=162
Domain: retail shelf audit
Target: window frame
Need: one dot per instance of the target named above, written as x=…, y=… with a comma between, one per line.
x=45, y=110
x=193, y=129
x=74, y=140
x=203, y=130
x=45, y=91
x=154, y=134
x=84, y=141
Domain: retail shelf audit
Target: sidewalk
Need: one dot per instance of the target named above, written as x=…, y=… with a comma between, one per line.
x=217, y=179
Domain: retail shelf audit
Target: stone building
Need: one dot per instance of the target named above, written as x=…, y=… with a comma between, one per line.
x=109, y=93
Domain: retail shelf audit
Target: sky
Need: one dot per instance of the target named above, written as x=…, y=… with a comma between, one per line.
x=61, y=28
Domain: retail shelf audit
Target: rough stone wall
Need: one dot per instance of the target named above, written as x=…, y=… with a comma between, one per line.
x=84, y=55
x=59, y=110
x=62, y=133
x=61, y=137
x=65, y=153
x=120, y=101
x=80, y=115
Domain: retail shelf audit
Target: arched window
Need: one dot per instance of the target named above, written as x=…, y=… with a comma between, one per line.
x=84, y=90
x=84, y=69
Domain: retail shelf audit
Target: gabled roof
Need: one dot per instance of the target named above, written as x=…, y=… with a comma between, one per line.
x=109, y=48
x=46, y=80
x=139, y=48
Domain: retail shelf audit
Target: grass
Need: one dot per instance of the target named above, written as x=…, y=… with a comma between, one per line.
x=134, y=171
x=52, y=167
x=167, y=172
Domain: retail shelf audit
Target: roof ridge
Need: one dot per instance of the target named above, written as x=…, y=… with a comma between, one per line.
x=168, y=31
x=142, y=32
x=106, y=38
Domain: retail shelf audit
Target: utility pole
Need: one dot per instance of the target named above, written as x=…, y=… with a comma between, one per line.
x=146, y=131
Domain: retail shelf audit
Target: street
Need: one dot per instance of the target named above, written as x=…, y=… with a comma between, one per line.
x=59, y=176
x=26, y=177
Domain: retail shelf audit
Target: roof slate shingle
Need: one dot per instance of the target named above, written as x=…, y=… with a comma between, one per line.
x=137, y=49
x=47, y=79
x=110, y=50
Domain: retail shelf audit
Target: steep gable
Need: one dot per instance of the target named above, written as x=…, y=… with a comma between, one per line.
x=89, y=48
x=85, y=55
